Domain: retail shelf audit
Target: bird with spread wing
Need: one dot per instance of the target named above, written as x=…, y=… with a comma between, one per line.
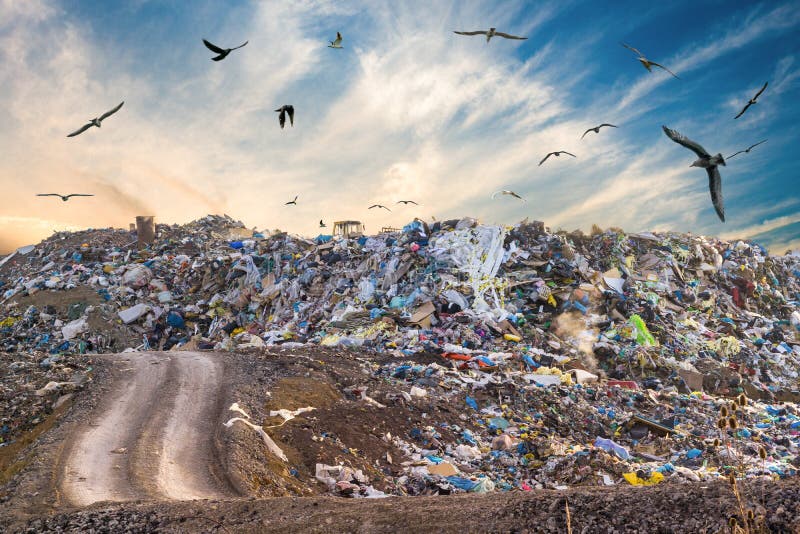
x=96, y=121
x=709, y=163
x=491, y=32
x=286, y=109
x=596, y=129
x=557, y=153
x=752, y=100
x=746, y=150
x=336, y=43
x=646, y=62
x=509, y=193
x=63, y=197
x=222, y=53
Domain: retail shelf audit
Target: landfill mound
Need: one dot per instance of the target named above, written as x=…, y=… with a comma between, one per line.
x=476, y=358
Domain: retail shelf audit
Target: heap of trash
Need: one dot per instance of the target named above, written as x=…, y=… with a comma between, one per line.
x=572, y=358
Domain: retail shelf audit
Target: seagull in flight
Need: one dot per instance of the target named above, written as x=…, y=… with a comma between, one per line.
x=596, y=129
x=322, y=224
x=646, y=62
x=63, y=197
x=747, y=150
x=223, y=52
x=491, y=33
x=507, y=192
x=283, y=110
x=709, y=163
x=292, y=202
x=556, y=154
x=407, y=202
x=337, y=43
x=752, y=100
x=96, y=121
x=378, y=206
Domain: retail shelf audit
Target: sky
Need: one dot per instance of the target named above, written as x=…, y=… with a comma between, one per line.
x=406, y=110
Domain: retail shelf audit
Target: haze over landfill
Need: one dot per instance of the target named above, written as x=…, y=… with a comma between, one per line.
x=406, y=109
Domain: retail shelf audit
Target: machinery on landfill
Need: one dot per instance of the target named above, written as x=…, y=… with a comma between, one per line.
x=348, y=229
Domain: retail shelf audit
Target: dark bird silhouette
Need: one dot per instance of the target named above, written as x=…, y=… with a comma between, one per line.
x=293, y=202
x=507, y=192
x=709, y=163
x=557, y=154
x=223, y=52
x=96, y=121
x=746, y=150
x=322, y=224
x=63, y=197
x=491, y=33
x=752, y=100
x=283, y=110
x=379, y=206
x=646, y=62
x=596, y=129
x=406, y=202
x=337, y=43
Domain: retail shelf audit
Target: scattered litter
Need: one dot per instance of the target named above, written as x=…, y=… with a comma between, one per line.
x=288, y=415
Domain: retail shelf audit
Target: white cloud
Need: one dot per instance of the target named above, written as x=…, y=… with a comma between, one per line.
x=785, y=76
x=762, y=228
x=406, y=110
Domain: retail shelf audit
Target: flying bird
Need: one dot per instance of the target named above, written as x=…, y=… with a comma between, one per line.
x=337, y=43
x=709, y=163
x=407, y=202
x=646, y=62
x=747, y=150
x=322, y=224
x=223, y=52
x=378, y=206
x=556, y=154
x=491, y=33
x=63, y=197
x=96, y=121
x=293, y=202
x=283, y=110
x=596, y=129
x=752, y=100
x=507, y=192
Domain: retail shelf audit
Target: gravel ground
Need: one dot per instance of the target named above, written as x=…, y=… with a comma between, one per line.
x=660, y=509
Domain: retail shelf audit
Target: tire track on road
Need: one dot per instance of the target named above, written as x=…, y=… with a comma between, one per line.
x=152, y=437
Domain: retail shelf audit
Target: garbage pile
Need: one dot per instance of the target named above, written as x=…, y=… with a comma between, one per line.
x=576, y=358
x=524, y=427
x=32, y=386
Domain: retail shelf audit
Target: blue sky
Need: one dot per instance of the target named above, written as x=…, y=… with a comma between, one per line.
x=406, y=110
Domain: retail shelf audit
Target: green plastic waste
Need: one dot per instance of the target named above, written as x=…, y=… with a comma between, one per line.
x=642, y=334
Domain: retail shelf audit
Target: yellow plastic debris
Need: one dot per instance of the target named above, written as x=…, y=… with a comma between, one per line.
x=634, y=479
x=727, y=345
x=8, y=321
x=329, y=340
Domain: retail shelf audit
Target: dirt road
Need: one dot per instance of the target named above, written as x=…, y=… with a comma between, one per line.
x=153, y=436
